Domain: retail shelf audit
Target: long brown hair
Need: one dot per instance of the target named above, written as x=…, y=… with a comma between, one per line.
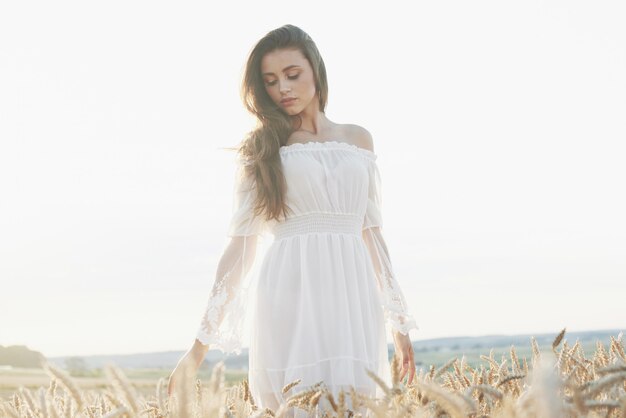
x=259, y=150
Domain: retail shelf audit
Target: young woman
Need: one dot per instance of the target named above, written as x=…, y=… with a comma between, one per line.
x=325, y=286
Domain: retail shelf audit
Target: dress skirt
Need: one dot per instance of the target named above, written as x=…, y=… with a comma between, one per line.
x=317, y=314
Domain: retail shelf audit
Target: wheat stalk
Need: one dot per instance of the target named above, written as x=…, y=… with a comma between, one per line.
x=573, y=385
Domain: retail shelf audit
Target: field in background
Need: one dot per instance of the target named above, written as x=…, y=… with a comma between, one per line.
x=432, y=352
x=563, y=381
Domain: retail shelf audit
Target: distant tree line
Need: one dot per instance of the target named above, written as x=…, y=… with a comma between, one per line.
x=20, y=356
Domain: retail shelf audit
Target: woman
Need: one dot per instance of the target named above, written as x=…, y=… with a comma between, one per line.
x=325, y=286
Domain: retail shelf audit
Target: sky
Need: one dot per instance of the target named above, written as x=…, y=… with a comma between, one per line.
x=499, y=129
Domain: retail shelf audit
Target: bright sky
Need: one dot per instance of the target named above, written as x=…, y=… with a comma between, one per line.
x=499, y=128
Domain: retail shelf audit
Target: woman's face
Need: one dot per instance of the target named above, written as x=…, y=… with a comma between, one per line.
x=287, y=74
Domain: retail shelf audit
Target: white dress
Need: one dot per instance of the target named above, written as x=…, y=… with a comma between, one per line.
x=318, y=302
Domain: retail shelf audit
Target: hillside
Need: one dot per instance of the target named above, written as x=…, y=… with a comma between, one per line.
x=426, y=351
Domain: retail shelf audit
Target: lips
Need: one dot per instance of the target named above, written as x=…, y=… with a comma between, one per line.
x=288, y=100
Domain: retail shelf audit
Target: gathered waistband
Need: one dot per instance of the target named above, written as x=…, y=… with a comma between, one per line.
x=318, y=222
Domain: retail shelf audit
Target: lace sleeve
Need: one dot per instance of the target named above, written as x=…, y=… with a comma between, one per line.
x=394, y=304
x=221, y=326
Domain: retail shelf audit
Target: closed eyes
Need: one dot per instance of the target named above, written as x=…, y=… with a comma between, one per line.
x=271, y=83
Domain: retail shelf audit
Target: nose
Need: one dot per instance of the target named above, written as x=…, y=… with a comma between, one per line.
x=284, y=86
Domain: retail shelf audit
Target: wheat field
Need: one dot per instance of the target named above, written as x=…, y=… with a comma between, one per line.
x=556, y=384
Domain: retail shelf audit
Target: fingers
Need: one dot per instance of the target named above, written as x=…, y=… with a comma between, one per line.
x=405, y=366
x=411, y=372
x=170, y=387
x=408, y=366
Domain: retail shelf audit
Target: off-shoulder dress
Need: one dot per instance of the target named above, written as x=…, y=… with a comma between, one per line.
x=325, y=286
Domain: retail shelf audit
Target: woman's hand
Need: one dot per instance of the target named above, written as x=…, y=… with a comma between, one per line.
x=407, y=357
x=187, y=366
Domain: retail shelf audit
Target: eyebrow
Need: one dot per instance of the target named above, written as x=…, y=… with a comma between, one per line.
x=284, y=69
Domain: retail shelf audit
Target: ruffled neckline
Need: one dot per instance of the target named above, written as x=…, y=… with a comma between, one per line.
x=326, y=145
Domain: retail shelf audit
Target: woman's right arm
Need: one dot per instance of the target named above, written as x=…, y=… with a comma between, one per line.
x=221, y=326
x=222, y=322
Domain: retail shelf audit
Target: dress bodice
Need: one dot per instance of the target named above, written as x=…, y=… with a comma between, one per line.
x=326, y=177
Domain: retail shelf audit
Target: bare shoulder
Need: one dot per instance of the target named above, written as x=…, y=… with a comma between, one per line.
x=359, y=136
